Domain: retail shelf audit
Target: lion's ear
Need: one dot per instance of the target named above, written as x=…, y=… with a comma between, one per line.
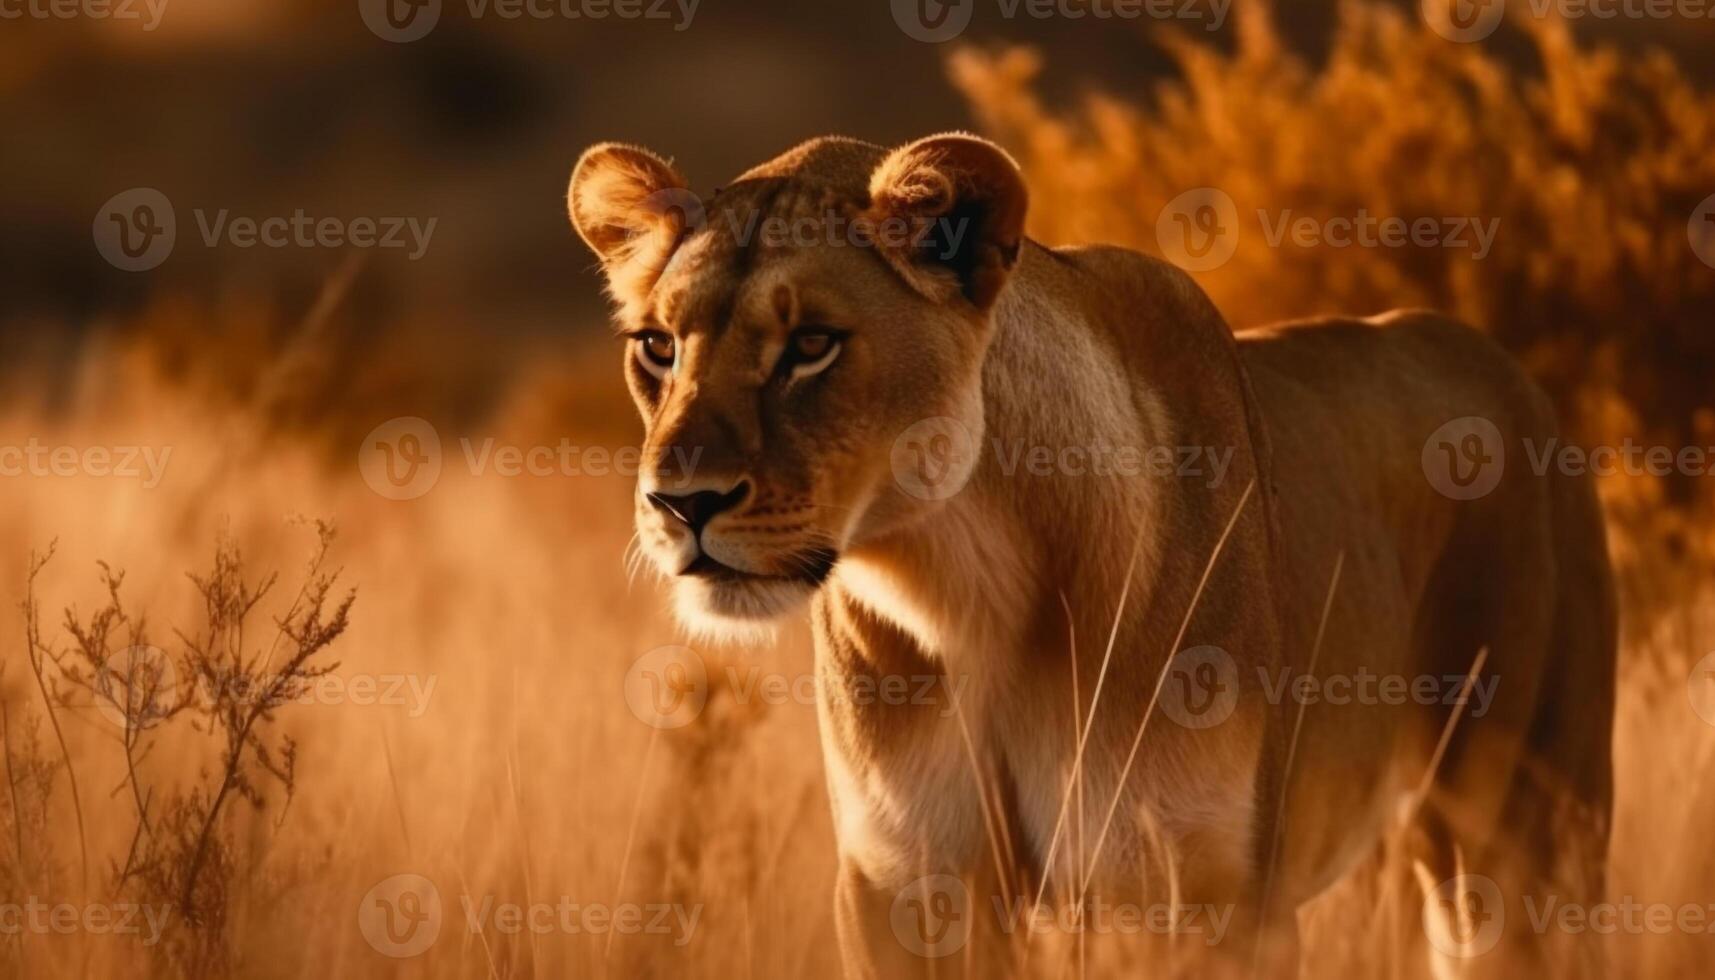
x=963, y=201
x=631, y=207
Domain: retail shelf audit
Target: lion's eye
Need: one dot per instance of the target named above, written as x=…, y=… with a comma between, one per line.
x=812, y=345
x=810, y=350
x=656, y=351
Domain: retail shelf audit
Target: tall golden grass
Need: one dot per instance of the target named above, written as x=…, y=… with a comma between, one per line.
x=526, y=777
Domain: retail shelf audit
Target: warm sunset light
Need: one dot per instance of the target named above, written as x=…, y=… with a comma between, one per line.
x=899, y=488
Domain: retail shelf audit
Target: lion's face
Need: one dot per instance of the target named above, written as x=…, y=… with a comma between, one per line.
x=779, y=344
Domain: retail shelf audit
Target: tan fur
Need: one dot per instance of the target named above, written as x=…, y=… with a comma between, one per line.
x=1013, y=581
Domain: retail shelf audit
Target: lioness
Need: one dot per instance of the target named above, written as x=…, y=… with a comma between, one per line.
x=869, y=360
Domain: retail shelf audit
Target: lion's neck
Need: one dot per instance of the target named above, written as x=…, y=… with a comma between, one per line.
x=964, y=581
x=1025, y=538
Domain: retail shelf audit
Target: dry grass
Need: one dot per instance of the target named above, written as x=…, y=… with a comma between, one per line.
x=522, y=774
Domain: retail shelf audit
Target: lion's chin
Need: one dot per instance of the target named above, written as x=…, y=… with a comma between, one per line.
x=743, y=610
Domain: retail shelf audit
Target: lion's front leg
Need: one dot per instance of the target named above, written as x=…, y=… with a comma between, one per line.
x=876, y=923
x=939, y=925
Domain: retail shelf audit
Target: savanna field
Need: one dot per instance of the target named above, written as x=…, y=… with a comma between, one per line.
x=245, y=688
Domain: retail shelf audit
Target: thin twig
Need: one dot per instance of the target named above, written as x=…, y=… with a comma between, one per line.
x=38, y=655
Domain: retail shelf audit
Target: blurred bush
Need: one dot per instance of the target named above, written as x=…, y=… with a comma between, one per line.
x=1592, y=162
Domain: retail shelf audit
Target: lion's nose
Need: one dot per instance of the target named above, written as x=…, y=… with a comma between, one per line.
x=695, y=510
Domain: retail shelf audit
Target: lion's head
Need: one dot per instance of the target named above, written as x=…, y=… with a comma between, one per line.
x=779, y=339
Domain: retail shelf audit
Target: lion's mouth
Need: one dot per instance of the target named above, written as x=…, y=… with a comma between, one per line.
x=812, y=568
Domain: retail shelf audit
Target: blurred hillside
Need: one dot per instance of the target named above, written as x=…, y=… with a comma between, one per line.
x=269, y=109
x=263, y=108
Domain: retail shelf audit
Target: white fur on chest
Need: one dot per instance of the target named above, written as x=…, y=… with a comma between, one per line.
x=957, y=586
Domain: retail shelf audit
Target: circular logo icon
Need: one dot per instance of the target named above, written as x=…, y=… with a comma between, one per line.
x=667, y=687
x=400, y=459
x=135, y=230
x=1464, y=916
x=934, y=459
x=400, y=21
x=401, y=916
x=1464, y=21
x=933, y=21
x=1464, y=459
x=679, y=206
x=931, y=916
x=137, y=688
x=1201, y=688
x=1702, y=231
x=1700, y=688
x=1199, y=229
